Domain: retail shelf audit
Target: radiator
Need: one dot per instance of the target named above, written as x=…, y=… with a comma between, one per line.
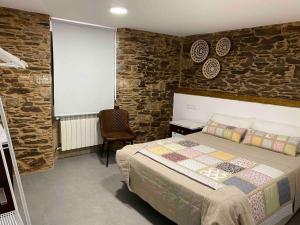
x=79, y=132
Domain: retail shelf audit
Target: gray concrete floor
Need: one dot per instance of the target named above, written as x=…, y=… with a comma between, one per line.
x=82, y=191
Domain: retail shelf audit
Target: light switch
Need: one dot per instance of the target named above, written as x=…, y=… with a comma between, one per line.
x=191, y=107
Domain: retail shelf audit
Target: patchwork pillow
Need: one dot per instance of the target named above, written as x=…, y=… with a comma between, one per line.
x=224, y=131
x=278, y=143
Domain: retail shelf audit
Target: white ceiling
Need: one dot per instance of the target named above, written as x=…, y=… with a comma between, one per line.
x=177, y=17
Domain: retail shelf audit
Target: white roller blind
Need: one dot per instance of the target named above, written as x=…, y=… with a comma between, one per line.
x=84, y=68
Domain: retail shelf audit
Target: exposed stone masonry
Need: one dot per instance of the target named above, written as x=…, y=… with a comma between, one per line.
x=264, y=61
x=147, y=74
x=27, y=93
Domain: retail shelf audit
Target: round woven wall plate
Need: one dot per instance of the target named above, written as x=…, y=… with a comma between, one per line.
x=223, y=46
x=211, y=68
x=199, y=51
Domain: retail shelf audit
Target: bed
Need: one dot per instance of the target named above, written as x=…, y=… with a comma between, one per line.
x=211, y=197
x=188, y=202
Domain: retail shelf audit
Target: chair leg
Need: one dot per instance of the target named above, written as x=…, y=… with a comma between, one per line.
x=131, y=142
x=107, y=155
x=102, y=149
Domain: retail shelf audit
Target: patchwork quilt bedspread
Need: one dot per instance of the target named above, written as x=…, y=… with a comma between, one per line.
x=267, y=187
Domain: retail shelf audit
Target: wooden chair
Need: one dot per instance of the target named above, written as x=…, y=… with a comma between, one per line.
x=114, y=125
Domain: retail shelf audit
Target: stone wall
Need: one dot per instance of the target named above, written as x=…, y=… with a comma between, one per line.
x=264, y=61
x=148, y=70
x=27, y=93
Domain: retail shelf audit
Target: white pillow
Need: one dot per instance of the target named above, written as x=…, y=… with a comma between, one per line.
x=234, y=121
x=276, y=128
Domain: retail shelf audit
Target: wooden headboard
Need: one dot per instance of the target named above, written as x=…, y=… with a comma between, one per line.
x=200, y=105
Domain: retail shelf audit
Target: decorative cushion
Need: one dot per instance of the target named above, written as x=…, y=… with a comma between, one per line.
x=278, y=143
x=224, y=131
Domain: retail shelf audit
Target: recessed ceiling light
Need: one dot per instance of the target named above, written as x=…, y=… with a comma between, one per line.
x=118, y=10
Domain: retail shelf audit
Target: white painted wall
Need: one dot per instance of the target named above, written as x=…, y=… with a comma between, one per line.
x=200, y=109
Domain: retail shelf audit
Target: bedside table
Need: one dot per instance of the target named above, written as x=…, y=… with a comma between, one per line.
x=184, y=127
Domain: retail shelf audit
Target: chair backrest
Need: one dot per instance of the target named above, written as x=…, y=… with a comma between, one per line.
x=114, y=120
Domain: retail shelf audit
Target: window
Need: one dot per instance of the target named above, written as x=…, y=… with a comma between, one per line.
x=84, y=68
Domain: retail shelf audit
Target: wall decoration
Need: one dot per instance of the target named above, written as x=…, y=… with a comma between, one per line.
x=223, y=46
x=199, y=51
x=211, y=68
